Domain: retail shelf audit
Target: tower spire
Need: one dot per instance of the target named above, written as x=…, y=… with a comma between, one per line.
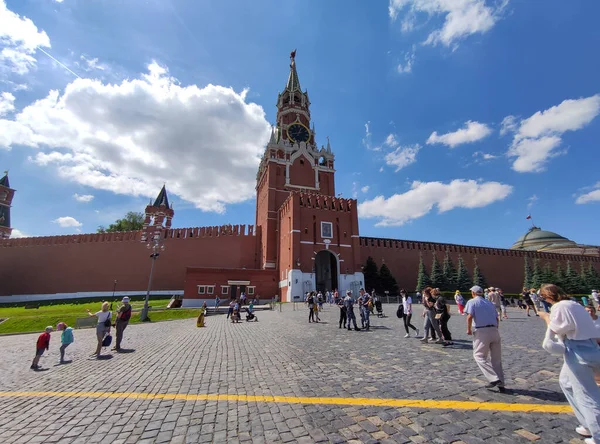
x=162, y=198
x=293, y=83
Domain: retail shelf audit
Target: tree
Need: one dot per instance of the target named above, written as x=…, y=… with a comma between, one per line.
x=422, y=276
x=536, y=276
x=371, y=275
x=463, y=281
x=547, y=275
x=592, y=278
x=131, y=222
x=437, y=275
x=478, y=278
x=527, y=275
x=388, y=282
x=573, y=282
x=559, y=276
x=449, y=273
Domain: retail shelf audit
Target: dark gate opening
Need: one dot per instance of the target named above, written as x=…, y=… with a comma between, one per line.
x=326, y=271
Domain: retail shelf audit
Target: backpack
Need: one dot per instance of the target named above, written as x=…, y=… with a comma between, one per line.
x=124, y=316
x=107, y=323
x=400, y=311
x=107, y=341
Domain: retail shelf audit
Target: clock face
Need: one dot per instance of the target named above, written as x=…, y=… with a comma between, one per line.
x=298, y=133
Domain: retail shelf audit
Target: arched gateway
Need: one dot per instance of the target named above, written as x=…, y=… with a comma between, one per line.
x=326, y=271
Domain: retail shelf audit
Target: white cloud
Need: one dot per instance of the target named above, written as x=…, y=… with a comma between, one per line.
x=130, y=138
x=67, y=222
x=7, y=103
x=462, y=17
x=90, y=64
x=367, y=140
x=365, y=188
x=481, y=156
x=423, y=196
x=531, y=200
x=19, y=39
x=508, y=125
x=473, y=132
x=537, y=138
x=17, y=234
x=402, y=156
x=591, y=196
x=83, y=197
x=406, y=66
x=391, y=141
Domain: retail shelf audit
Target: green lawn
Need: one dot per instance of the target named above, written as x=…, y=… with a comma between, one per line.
x=22, y=320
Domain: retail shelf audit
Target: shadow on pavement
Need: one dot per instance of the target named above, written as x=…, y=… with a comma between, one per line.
x=126, y=350
x=537, y=394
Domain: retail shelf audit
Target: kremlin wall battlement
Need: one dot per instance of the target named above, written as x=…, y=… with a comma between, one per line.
x=502, y=268
x=92, y=262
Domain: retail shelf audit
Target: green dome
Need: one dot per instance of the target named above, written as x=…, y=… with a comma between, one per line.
x=536, y=239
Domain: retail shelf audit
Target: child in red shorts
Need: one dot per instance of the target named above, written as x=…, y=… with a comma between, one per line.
x=43, y=343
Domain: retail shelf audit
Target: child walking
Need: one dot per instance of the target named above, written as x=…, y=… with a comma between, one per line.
x=43, y=343
x=66, y=339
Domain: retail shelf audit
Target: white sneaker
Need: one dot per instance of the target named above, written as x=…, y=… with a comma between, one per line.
x=407, y=335
x=589, y=441
x=583, y=431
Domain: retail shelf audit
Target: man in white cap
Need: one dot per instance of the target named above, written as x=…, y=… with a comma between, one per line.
x=123, y=315
x=482, y=323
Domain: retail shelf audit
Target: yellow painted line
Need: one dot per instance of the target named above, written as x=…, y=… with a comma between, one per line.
x=416, y=403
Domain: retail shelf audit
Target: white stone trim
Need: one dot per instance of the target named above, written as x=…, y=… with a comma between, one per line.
x=295, y=231
x=246, y=283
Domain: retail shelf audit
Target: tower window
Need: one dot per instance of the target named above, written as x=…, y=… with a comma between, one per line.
x=301, y=161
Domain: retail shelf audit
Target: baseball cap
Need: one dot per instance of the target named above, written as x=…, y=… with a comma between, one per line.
x=477, y=289
x=49, y=328
x=125, y=299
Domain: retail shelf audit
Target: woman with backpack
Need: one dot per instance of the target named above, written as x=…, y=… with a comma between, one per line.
x=123, y=315
x=103, y=326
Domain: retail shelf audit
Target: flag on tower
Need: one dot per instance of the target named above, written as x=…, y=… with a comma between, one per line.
x=528, y=217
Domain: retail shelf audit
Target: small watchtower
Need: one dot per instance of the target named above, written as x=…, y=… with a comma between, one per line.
x=158, y=216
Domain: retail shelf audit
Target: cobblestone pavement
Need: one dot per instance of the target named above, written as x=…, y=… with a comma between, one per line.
x=282, y=355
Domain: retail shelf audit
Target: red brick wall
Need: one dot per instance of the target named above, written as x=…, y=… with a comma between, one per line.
x=265, y=281
x=501, y=267
x=91, y=262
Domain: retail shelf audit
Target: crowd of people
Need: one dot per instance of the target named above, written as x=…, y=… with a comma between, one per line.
x=103, y=329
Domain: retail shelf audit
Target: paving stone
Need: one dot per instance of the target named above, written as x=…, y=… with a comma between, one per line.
x=284, y=356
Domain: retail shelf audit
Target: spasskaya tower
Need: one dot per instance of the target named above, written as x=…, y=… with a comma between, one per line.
x=293, y=165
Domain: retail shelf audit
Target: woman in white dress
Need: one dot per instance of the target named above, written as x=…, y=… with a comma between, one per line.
x=576, y=330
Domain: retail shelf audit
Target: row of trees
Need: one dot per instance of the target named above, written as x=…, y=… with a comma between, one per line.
x=379, y=279
x=132, y=221
x=447, y=277
x=571, y=280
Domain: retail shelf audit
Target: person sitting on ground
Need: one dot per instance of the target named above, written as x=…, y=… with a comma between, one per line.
x=43, y=343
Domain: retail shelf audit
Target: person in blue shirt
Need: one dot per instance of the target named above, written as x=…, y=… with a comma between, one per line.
x=482, y=323
x=66, y=339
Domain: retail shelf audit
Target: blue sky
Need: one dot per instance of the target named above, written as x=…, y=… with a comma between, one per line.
x=450, y=121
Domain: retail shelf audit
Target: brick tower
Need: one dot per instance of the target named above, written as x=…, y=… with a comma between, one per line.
x=6, y=197
x=293, y=172
x=158, y=216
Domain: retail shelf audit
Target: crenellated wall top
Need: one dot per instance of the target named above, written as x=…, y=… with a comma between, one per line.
x=131, y=236
x=468, y=249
